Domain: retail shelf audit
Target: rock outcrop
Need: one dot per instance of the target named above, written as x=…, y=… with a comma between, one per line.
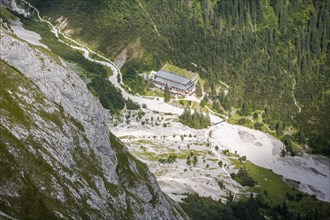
x=57, y=157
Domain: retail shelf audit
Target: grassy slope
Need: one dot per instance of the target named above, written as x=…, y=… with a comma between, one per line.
x=274, y=190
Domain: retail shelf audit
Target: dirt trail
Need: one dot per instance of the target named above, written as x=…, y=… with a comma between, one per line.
x=294, y=98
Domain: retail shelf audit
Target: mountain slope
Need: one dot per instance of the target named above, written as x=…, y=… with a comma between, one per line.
x=58, y=158
x=273, y=53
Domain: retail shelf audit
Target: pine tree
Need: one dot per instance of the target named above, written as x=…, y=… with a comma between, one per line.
x=167, y=94
x=245, y=109
x=186, y=116
x=213, y=92
x=188, y=162
x=216, y=106
x=195, y=160
x=198, y=91
x=196, y=120
x=279, y=129
x=207, y=119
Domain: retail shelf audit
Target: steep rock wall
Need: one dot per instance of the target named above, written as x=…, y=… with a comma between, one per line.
x=56, y=157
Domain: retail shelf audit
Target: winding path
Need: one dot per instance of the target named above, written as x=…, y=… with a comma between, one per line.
x=294, y=98
x=154, y=104
x=149, y=17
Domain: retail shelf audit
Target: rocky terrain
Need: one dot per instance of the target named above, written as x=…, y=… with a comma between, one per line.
x=151, y=136
x=58, y=158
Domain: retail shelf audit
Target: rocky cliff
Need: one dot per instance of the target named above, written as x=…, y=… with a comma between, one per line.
x=57, y=157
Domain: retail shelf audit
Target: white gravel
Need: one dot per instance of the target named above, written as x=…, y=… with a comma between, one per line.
x=312, y=171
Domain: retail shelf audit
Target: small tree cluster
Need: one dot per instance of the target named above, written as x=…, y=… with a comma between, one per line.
x=288, y=145
x=242, y=158
x=243, y=178
x=196, y=120
x=221, y=185
x=167, y=94
x=192, y=159
x=246, y=109
x=170, y=159
x=130, y=105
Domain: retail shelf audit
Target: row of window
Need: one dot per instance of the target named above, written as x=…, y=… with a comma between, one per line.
x=177, y=89
x=172, y=80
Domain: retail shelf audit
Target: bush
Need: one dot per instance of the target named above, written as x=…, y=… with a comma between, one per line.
x=130, y=105
x=241, y=121
x=258, y=126
x=170, y=159
x=243, y=178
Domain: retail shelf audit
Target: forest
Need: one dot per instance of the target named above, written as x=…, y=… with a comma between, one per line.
x=268, y=51
x=253, y=208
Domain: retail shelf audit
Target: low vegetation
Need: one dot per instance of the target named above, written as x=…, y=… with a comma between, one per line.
x=131, y=105
x=275, y=192
x=192, y=158
x=182, y=72
x=170, y=159
x=243, y=177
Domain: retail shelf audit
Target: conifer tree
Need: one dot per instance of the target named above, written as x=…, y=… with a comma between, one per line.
x=207, y=119
x=167, y=94
x=245, y=109
x=198, y=91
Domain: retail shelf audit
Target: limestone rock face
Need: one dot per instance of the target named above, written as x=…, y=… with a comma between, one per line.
x=57, y=156
x=66, y=89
